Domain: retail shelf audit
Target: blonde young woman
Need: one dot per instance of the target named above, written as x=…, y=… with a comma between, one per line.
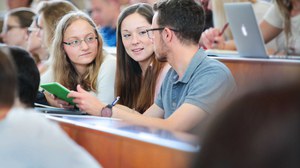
x=78, y=59
x=283, y=16
x=49, y=13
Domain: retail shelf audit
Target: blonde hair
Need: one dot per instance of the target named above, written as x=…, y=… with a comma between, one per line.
x=64, y=71
x=51, y=12
x=219, y=17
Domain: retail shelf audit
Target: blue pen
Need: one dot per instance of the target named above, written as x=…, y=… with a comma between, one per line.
x=115, y=101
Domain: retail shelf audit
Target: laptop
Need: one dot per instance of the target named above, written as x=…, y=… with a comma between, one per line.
x=53, y=110
x=245, y=30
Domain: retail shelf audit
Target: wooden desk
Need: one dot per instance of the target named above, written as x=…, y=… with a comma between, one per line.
x=247, y=71
x=114, y=143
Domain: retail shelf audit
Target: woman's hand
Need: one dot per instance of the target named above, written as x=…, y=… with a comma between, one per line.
x=56, y=102
x=212, y=39
x=86, y=102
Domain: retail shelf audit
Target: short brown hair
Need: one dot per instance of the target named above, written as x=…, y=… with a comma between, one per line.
x=8, y=78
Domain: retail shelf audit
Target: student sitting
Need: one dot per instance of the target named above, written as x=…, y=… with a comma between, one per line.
x=191, y=88
x=28, y=139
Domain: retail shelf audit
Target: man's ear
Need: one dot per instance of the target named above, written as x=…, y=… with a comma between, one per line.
x=168, y=35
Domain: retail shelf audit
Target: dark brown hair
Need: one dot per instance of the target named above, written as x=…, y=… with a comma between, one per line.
x=134, y=90
x=187, y=17
x=24, y=16
x=8, y=79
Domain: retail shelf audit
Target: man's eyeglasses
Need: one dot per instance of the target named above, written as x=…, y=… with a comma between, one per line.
x=150, y=31
x=77, y=43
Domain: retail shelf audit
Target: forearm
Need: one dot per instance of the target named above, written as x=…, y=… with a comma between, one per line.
x=229, y=45
x=136, y=118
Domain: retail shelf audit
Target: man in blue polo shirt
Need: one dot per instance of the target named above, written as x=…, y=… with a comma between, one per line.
x=193, y=86
x=105, y=14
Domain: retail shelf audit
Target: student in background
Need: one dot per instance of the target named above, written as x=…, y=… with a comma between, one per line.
x=219, y=18
x=28, y=139
x=78, y=59
x=208, y=13
x=105, y=14
x=49, y=13
x=28, y=76
x=283, y=16
x=36, y=47
x=16, y=23
x=13, y=4
x=260, y=128
x=139, y=75
x=191, y=88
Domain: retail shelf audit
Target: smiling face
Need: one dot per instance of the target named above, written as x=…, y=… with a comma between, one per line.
x=85, y=53
x=135, y=39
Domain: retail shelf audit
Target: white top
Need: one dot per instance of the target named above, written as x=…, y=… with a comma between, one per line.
x=260, y=9
x=105, y=81
x=29, y=140
x=274, y=17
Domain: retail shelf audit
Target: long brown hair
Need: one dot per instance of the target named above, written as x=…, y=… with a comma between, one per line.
x=64, y=71
x=135, y=91
x=285, y=7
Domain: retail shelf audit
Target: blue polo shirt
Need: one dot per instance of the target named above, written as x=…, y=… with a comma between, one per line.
x=205, y=82
x=109, y=36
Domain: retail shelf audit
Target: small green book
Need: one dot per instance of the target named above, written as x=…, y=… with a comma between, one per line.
x=58, y=90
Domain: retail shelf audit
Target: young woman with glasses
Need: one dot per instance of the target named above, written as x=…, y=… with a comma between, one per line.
x=16, y=23
x=78, y=59
x=139, y=74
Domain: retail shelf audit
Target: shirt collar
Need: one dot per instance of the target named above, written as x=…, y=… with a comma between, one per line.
x=195, y=62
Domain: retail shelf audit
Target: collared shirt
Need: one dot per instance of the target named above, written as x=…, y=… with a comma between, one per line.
x=203, y=84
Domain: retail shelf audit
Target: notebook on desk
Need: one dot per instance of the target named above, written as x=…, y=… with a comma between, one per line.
x=53, y=110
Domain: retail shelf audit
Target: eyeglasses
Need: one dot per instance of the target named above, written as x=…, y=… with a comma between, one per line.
x=77, y=43
x=150, y=31
x=32, y=29
x=8, y=28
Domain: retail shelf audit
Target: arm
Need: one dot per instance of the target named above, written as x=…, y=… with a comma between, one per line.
x=268, y=31
x=178, y=121
x=212, y=40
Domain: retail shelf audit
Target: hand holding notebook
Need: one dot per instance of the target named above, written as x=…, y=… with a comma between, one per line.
x=58, y=90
